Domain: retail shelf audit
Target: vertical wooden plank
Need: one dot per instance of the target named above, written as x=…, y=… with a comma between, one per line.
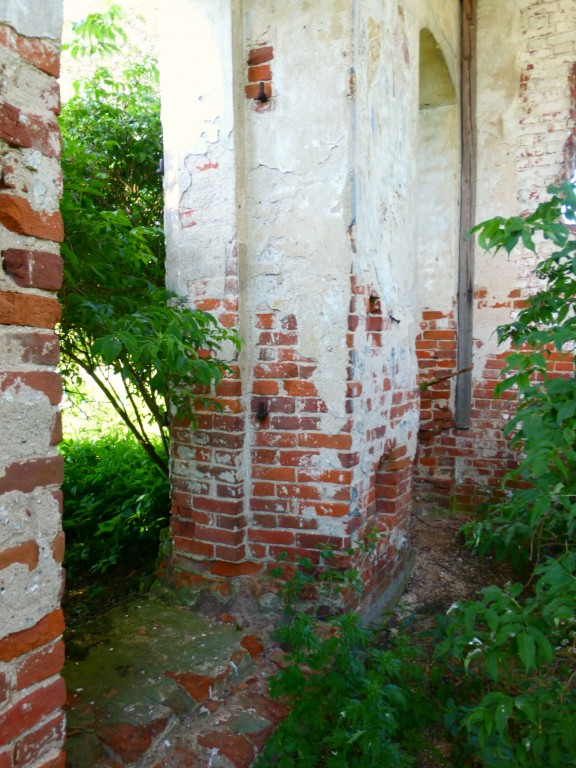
x=467, y=214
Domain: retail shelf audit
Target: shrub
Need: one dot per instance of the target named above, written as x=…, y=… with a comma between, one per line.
x=115, y=504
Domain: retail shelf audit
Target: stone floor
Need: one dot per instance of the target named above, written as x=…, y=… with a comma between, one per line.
x=153, y=685
x=157, y=686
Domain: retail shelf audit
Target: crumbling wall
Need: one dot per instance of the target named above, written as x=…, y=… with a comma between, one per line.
x=289, y=190
x=525, y=129
x=32, y=692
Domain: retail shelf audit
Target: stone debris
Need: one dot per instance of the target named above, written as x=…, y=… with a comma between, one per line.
x=192, y=693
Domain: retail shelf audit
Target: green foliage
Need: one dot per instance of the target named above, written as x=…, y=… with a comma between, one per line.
x=510, y=657
x=117, y=313
x=351, y=702
x=98, y=33
x=539, y=516
x=115, y=505
x=500, y=674
x=516, y=647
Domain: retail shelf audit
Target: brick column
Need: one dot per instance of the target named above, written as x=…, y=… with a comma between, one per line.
x=32, y=693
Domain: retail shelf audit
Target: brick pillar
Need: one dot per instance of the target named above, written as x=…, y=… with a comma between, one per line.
x=32, y=693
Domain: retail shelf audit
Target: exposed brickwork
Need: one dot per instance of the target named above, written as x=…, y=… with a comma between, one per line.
x=259, y=71
x=251, y=486
x=465, y=467
x=32, y=693
x=385, y=415
x=545, y=120
x=208, y=519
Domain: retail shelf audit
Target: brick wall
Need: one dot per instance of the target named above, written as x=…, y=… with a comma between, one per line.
x=32, y=693
x=535, y=146
x=254, y=485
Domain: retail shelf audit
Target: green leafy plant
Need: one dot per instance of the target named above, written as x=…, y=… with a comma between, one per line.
x=115, y=505
x=496, y=676
x=149, y=353
x=511, y=654
x=539, y=516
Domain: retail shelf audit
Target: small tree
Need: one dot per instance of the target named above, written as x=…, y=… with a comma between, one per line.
x=143, y=348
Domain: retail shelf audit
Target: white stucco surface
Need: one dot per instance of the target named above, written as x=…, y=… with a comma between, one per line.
x=33, y=18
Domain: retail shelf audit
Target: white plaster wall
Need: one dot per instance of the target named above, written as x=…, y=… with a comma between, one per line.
x=438, y=170
x=198, y=120
x=42, y=18
x=437, y=207
x=28, y=595
x=298, y=183
x=498, y=103
x=386, y=139
x=524, y=122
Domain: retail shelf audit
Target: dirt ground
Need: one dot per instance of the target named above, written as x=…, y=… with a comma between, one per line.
x=125, y=712
x=445, y=570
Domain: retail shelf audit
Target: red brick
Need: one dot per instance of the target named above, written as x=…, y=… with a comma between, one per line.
x=270, y=536
x=42, y=54
x=336, y=476
x=296, y=388
x=259, y=72
x=230, y=554
x=259, y=504
x=28, y=310
x=4, y=688
x=312, y=541
x=29, y=132
x=193, y=547
x=252, y=645
x=29, y=710
x=48, y=382
x=25, y=476
x=253, y=90
x=280, y=474
x=34, y=269
x=319, y=440
x=32, y=746
x=224, y=507
x=38, y=348
x=19, y=643
x=128, y=741
x=297, y=458
x=348, y=460
x=219, y=536
x=265, y=387
x=264, y=489
x=299, y=491
x=235, y=569
x=40, y=664
x=231, y=745
x=58, y=547
x=286, y=370
x=260, y=56
x=326, y=509
x=55, y=762
x=265, y=320
x=25, y=553
x=17, y=215
x=275, y=440
x=296, y=423
x=6, y=759
x=229, y=387
x=199, y=687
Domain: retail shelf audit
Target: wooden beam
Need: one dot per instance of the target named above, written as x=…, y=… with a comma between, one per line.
x=467, y=216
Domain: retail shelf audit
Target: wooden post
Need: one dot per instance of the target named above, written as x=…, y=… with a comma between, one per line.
x=467, y=215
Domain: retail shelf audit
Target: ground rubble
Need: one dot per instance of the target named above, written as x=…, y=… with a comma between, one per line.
x=164, y=686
